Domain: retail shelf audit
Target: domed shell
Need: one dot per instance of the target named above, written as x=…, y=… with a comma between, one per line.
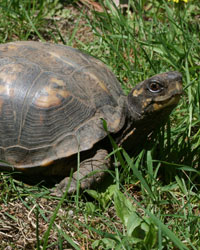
x=52, y=99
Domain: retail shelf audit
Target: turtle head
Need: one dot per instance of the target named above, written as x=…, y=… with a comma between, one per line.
x=155, y=97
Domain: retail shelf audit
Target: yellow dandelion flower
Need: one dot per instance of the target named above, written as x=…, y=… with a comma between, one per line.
x=177, y=1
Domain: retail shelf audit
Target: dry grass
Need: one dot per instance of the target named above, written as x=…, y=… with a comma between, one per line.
x=21, y=222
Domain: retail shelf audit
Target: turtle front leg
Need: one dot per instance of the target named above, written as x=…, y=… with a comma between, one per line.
x=91, y=171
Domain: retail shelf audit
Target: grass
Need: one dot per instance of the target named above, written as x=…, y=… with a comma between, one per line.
x=156, y=204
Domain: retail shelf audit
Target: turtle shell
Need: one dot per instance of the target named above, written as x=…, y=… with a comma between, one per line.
x=52, y=99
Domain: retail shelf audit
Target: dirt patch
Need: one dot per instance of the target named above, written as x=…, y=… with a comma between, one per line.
x=69, y=25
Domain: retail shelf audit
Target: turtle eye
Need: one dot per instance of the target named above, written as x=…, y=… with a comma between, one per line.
x=155, y=87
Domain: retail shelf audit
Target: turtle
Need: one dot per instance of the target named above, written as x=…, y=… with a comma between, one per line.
x=54, y=103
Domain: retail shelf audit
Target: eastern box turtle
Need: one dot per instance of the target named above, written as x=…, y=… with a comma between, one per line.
x=52, y=102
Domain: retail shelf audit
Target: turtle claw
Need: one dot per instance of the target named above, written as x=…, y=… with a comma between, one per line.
x=90, y=173
x=68, y=185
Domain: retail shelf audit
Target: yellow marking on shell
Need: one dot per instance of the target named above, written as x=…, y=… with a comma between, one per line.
x=7, y=78
x=137, y=92
x=6, y=90
x=102, y=85
x=20, y=168
x=46, y=163
x=173, y=101
x=2, y=89
x=58, y=81
x=12, y=46
x=7, y=47
x=50, y=100
x=61, y=92
x=9, y=74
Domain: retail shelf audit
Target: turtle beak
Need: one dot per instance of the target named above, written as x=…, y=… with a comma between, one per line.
x=176, y=78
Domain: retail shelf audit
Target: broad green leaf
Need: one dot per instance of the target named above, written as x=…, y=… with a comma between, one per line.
x=123, y=206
